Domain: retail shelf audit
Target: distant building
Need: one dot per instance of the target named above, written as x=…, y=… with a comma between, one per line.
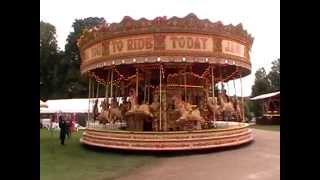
x=270, y=108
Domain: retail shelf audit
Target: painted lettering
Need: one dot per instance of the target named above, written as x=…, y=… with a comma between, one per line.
x=174, y=39
x=204, y=40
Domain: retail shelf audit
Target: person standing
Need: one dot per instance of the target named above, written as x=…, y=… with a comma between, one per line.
x=63, y=129
x=68, y=126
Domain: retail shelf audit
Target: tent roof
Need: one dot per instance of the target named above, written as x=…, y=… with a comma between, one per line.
x=43, y=104
x=264, y=96
x=71, y=105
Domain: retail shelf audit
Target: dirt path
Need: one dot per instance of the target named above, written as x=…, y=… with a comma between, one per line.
x=259, y=160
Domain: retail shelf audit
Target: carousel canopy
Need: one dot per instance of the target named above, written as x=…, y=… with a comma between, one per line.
x=72, y=105
x=265, y=96
x=174, y=43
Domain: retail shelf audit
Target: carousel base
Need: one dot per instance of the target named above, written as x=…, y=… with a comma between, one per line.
x=227, y=134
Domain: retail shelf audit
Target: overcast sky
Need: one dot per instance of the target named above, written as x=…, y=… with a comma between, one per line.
x=261, y=18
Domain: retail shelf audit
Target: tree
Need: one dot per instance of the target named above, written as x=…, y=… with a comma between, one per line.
x=48, y=36
x=274, y=75
x=261, y=86
x=248, y=106
x=75, y=84
x=261, y=83
x=71, y=48
x=49, y=58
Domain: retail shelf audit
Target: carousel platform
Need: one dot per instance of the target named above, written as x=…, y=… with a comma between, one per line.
x=226, y=134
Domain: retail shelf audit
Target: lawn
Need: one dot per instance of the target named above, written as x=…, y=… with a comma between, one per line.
x=75, y=162
x=267, y=127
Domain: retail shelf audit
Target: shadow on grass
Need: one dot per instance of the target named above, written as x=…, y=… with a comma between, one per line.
x=166, y=153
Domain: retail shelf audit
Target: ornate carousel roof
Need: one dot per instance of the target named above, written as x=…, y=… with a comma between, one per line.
x=171, y=42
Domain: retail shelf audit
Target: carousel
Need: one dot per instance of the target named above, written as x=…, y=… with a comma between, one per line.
x=164, y=82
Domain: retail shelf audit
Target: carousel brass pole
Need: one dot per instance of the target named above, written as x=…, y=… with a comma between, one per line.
x=221, y=81
x=242, y=101
x=228, y=87
x=185, y=84
x=137, y=83
x=107, y=86
x=89, y=101
x=111, y=90
x=145, y=89
x=148, y=92
x=235, y=91
x=160, y=98
x=92, y=96
x=92, y=89
x=213, y=97
x=97, y=94
x=97, y=98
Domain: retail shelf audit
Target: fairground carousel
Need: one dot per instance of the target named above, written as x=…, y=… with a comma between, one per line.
x=160, y=80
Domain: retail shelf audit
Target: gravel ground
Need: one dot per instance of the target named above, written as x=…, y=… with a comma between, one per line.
x=258, y=160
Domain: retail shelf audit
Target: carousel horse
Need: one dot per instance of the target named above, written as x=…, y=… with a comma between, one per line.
x=104, y=116
x=188, y=112
x=115, y=112
x=95, y=110
x=133, y=100
x=135, y=107
x=212, y=104
x=154, y=107
x=124, y=107
x=226, y=106
x=238, y=109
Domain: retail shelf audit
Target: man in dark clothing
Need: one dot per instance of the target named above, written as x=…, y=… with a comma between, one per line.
x=63, y=129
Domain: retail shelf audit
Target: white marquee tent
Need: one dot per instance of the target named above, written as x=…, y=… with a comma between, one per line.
x=264, y=96
x=71, y=105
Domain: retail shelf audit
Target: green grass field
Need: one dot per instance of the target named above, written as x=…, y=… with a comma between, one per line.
x=75, y=162
x=267, y=127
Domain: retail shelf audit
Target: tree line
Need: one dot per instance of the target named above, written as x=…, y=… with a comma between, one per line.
x=60, y=69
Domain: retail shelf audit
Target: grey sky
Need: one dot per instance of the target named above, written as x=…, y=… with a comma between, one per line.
x=261, y=18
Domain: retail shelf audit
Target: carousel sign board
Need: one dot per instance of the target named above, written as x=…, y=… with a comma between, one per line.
x=131, y=45
x=171, y=42
x=189, y=43
x=233, y=48
x=93, y=52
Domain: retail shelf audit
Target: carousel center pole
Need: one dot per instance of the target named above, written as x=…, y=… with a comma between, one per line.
x=213, y=97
